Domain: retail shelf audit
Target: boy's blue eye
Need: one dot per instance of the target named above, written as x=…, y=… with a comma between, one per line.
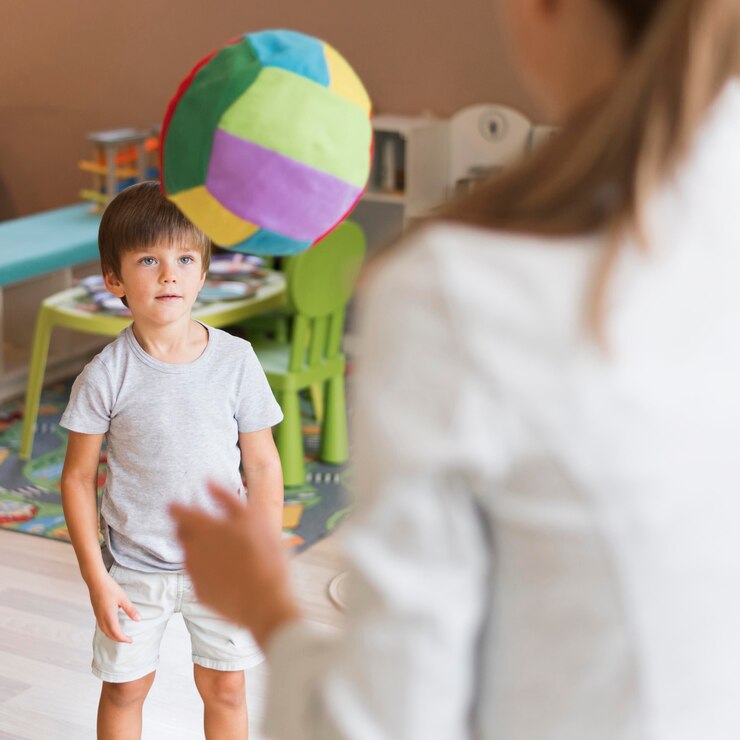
x=147, y=260
x=186, y=259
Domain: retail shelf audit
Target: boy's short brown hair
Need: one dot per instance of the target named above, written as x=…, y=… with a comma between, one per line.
x=141, y=216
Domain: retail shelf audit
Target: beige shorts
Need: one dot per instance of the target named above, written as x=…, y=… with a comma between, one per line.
x=216, y=643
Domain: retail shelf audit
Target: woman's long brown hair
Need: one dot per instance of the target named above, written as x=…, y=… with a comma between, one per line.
x=598, y=174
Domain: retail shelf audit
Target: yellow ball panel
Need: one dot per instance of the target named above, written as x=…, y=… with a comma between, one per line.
x=224, y=228
x=343, y=81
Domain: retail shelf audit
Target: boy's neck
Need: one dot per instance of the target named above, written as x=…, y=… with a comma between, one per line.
x=174, y=344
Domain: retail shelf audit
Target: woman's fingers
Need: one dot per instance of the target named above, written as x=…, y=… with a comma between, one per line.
x=188, y=519
x=191, y=520
x=225, y=498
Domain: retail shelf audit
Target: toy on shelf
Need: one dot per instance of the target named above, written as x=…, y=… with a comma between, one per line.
x=541, y=134
x=121, y=157
x=484, y=139
x=266, y=144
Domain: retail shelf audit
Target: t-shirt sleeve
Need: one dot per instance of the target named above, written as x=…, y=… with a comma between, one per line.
x=256, y=408
x=90, y=402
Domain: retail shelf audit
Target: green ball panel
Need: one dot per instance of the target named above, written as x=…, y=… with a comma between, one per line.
x=187, y=146
x=302, y=120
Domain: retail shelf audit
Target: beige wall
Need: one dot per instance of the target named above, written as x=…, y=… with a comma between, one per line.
x=68, y=68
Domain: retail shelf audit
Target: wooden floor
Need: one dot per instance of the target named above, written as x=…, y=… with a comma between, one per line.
x=46, y=689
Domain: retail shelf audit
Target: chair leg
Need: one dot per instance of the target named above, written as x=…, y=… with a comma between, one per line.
x=334, y=442
x=37, y=368
x=289, y=440
x=282, y=330
x=317, y=401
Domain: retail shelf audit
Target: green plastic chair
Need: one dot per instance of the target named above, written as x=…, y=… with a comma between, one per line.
x=320, y=282
x=269, y=325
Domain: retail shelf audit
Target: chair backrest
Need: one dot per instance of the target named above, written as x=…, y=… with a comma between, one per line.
x=320, y=282
x=483, y=139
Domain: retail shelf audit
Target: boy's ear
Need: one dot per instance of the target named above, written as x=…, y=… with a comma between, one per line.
x=114, y=285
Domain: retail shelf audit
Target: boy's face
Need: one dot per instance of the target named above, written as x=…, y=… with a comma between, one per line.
x=160, y=282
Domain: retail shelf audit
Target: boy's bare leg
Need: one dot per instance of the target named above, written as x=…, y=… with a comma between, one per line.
x=225, y=703
x=119, y=711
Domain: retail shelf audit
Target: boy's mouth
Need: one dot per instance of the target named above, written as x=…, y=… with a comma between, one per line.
x=168, y=297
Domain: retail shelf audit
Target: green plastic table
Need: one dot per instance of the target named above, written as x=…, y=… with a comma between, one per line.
x=64, y=309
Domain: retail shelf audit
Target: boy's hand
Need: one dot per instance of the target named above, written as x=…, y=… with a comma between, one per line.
x=107, y=597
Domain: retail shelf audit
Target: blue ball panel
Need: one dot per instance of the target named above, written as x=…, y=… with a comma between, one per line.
x=292, y=51
x=269, y=243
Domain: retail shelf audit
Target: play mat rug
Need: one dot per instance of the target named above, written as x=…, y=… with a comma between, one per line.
x=30, y=500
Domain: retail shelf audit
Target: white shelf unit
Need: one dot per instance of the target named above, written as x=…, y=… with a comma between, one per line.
x=419, y=162
x=378, y=196
x=410, y=164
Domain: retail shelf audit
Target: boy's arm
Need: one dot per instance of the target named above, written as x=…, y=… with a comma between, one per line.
x=264, y=475
x=80, y=504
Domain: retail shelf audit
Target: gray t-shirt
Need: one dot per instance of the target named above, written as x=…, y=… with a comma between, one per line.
x=169, y=428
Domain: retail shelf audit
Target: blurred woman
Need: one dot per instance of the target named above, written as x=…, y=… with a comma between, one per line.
x=548, y=413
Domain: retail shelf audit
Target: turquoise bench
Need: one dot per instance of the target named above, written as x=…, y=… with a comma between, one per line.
x=45, y=242
x=37, y=256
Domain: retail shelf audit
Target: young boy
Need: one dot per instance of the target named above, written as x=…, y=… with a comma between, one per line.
x=178, y=404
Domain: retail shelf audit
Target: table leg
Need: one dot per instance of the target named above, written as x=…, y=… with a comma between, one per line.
x=37, y=368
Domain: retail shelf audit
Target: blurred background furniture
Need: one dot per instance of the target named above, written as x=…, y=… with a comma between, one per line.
x=41, y=255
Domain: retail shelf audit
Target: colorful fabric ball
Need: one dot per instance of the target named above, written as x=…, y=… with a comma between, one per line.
x=266, y=146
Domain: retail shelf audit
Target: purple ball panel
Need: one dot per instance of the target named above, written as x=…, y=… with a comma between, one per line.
x=274, y=192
